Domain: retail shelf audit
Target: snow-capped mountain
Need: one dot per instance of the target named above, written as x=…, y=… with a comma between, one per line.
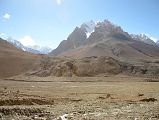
x=96, y=38
x=88, y=27
x=144, y=38
x=19, y=45
x=16, y=43
x=91, y=26
x=88, y=33
x=32, y=49
x=106, y=25
x=42, y=50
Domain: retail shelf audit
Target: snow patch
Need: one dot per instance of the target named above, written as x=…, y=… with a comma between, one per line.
x=89, y=27
x=89, y=33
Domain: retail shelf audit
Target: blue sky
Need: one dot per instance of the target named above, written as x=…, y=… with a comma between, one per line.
x=48, y=22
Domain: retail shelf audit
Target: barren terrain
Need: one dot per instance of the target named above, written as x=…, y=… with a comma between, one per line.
x=107, y=76
x=14, y=61
x=79, y=98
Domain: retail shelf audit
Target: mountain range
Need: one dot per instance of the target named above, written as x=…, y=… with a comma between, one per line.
x=107, y=39
x=89, y=33
x=92, y=49
x=32, y=49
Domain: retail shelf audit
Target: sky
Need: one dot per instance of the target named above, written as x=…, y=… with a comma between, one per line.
x=48, y=22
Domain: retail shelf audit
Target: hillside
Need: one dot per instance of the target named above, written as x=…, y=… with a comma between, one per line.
x=14, y=61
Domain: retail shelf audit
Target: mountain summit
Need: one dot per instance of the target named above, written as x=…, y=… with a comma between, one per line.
x=88, y=27
x=106, y=39
x=86, y=34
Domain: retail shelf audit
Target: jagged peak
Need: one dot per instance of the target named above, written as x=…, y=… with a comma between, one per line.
x=144, y=38
x=88, y=27
x=91, y=26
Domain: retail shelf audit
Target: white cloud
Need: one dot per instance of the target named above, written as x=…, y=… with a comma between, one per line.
x=27, y=41
x=59, y=2
x=6, y=16
x=2, y=34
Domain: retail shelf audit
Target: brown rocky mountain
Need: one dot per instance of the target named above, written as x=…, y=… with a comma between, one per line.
x=75, y=40
x=14, y=61
x=94, y=49
x=108, y=40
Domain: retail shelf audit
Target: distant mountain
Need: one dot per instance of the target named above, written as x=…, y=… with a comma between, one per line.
x=107, y=39
x=42, y=50
x=18, y=45
x=14, y=61
x=144, y=38
x=32, y=49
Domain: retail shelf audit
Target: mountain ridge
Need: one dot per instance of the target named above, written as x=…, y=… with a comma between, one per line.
x=107, y=39
x=32, y=49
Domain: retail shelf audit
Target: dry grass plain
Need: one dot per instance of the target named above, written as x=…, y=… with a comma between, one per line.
x=79, y=98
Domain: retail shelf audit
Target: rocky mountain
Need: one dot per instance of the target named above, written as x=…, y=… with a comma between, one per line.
x=102, y=48
x=144, y=38
x=106, y=39
x=88, y=27
x=87, y=33
x=75, y=40
x=32, y=49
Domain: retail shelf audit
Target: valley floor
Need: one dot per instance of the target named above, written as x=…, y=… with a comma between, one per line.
x=79, y=98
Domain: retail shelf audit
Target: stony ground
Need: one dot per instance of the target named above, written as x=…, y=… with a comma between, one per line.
x=86, y=98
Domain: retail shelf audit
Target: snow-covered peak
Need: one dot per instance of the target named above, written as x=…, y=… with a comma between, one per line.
x=16, y=43
x=89, y=27
x=105, y=23
x=144, y=38
x=41, y=49
x=32, y=49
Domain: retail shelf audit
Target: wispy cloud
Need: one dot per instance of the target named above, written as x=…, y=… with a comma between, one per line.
x=2, y=34
x=27, y=41
x=6, y=16
x=59, y=2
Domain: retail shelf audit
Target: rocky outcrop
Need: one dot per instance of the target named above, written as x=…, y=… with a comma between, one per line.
x=89, y=66
x=93, y=66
